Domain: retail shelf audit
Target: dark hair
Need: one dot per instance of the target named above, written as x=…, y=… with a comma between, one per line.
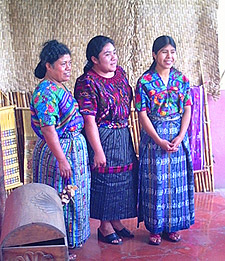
x=94, y=47
x=51, y=52
x=158, y=44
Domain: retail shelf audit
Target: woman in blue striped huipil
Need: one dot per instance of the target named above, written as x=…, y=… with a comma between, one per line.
x=60, y=156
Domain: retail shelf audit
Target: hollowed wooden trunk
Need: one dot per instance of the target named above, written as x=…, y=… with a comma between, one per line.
x=33, y=225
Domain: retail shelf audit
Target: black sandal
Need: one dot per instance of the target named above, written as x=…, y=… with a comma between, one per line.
x=109, y=238
x=124, y=233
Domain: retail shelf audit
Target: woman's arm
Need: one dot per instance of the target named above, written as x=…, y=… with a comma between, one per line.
x=52, y=141
x=92, y=134
x=184, y=126
x=149, y=128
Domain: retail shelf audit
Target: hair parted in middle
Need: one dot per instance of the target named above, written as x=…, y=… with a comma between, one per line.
x=158, y=44
x=94, y=47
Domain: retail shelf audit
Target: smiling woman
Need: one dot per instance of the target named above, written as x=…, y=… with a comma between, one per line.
x=104, y=96
x=60, y=156
x=60, y=71
x=166, y=180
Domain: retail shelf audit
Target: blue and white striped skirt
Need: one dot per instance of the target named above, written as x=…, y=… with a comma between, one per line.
x=45, y=170
x=166, y=181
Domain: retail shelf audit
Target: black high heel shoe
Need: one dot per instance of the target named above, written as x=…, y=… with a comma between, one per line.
x=124, y=233
x=109, y=238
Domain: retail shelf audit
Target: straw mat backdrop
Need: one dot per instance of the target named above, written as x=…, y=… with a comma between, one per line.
x=133, y=24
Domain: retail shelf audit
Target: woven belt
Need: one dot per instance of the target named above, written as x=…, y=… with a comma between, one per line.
x=69, y=134
x=113, y=125
x=166, y=118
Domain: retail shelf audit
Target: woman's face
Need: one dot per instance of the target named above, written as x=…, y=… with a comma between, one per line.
x=107, y=60
x=165, y=57
x=60, y=71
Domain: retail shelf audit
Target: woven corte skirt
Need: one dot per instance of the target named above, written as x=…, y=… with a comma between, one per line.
x=166, y=181
x=114, y=188
x=45, y=170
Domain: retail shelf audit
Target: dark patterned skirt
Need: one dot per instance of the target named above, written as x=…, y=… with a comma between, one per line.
x=166, y=181
x=45, y=170
x=114, y=188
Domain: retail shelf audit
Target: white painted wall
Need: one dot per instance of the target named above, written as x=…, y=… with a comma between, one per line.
x=221, y=40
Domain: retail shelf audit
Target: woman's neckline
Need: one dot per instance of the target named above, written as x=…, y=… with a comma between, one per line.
x=61, y=85
x=101, y=76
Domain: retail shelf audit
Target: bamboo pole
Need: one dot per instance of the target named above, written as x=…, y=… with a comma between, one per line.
x=208, y=130
x=7, y=101
x=29, y=94
x=27, y=99
x=200, y=182
x=196, y=182
x=14, y=94
x=206, y=180
x=19, y=101
x=1, y=100
x=11, y=98
x=136, y=143
x=24, y=102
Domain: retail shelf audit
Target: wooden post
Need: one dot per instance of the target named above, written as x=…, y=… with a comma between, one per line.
x=208, y=130
x=2, y=186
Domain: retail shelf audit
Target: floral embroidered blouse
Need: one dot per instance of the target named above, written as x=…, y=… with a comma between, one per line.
x=160, y=100
x=108, y=99
x=51, y=105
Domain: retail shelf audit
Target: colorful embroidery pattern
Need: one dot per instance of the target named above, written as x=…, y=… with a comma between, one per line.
x=51, y=105
x=106, y=98
x=160, y=100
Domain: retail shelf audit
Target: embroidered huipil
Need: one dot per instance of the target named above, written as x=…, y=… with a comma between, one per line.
x=51, y=105
x=160, y=100
x=108, y=99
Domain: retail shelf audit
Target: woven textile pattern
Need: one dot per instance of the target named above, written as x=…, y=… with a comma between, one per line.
x=133, y=24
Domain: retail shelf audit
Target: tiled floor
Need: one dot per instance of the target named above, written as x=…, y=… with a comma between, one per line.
x=205, y=240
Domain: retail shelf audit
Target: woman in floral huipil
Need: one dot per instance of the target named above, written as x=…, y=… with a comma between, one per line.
x=166, y=186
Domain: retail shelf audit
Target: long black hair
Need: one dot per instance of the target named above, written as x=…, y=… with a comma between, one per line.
x=94, y=47
x=51, y=52
x=158, y=44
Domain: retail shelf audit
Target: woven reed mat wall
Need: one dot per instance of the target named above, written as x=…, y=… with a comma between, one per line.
x=133, y=24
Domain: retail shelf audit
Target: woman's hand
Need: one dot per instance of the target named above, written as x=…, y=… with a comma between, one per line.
x=99, y=159
x=92, y=134
x=167, y=146
x=176, y=141
x=149, y=128
x=52, y=139
x=65, y=168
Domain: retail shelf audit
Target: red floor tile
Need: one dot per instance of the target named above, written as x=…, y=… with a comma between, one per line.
x=204, y=241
